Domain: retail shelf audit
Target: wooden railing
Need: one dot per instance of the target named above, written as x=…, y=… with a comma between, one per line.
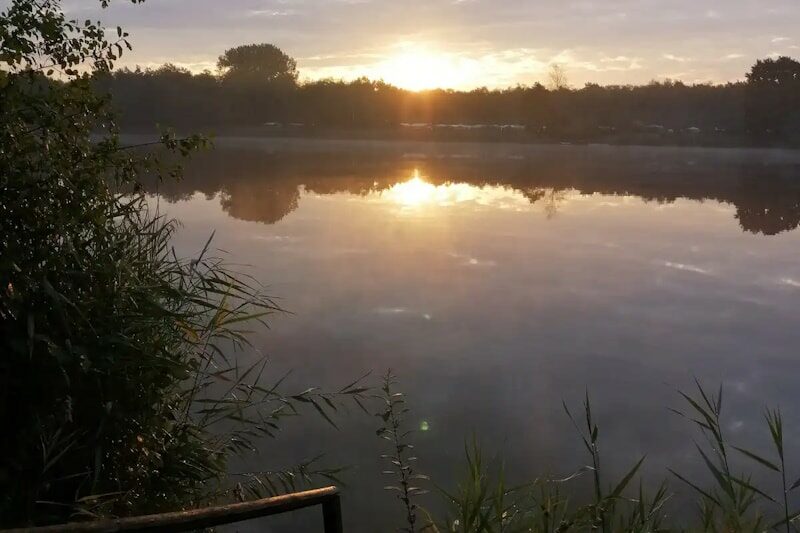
x=327, y=497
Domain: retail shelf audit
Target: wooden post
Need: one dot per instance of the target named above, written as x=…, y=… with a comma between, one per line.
x=332, y=515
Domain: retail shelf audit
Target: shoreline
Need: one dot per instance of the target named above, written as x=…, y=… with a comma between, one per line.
x=478, y=148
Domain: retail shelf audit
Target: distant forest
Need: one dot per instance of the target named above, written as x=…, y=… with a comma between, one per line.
x=256, y=91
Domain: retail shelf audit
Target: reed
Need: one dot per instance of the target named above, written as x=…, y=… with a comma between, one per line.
x=123, y=389
x=485, y=502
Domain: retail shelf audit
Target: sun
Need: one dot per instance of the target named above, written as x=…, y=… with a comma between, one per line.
x=417, y=68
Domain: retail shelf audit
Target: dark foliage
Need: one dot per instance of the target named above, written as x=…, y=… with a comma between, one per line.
x=120, y=392
x=256, y=91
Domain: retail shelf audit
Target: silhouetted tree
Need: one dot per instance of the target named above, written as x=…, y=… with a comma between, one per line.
x=781, y=72
x=259, y=82
x=773, y=96
x=259, y=63
x=558, y=77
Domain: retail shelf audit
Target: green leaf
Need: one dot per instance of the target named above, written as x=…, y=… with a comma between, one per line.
x=695, y=487
x=757, y=458
x=749, y=486
x=625, y=480
x=722, y=478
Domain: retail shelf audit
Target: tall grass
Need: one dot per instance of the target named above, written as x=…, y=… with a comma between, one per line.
x=734, y=502
x=131, y=394
x=485, y=502
x=121, y=386
x=399, y=458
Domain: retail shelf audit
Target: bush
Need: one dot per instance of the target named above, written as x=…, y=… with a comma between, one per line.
x=117, y=391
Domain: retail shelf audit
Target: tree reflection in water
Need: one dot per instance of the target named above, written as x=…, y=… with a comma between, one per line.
x=259, y=185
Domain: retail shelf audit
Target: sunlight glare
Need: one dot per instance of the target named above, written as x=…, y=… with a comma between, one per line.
x=416, y=193
x=417, y=68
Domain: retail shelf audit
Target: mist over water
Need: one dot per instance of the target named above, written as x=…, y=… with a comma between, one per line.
x=497, y=280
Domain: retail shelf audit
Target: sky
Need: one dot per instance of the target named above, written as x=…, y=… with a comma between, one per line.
x=464, y=44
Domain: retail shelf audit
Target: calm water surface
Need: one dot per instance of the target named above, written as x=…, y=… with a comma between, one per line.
x=498, y=280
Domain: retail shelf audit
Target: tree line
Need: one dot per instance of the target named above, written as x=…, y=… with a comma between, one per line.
x=256, y=88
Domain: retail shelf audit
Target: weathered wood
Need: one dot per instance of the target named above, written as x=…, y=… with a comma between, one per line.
x=328, y=497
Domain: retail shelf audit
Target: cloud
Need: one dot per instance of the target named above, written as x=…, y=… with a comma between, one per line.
x=496, y=69
x=270, y=13
x=497, y=42
x=617, y=59
x=677, y=59
x=572, y=60
x=195, y=67
x=469, y=69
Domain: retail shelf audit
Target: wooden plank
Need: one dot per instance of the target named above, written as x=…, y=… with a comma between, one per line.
x=194, y=519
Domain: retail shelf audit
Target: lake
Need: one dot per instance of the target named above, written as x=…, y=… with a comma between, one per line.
x=497, y=280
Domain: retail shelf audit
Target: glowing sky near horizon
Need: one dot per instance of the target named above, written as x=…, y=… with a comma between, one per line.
x=468, y=43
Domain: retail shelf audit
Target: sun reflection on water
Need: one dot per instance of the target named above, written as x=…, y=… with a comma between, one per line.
x=416, y=193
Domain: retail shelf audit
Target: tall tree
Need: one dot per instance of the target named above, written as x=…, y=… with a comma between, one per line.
x=781, y=72
x=260, y=63
x=773, y=97
x=261, y=79
x=558, y=77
